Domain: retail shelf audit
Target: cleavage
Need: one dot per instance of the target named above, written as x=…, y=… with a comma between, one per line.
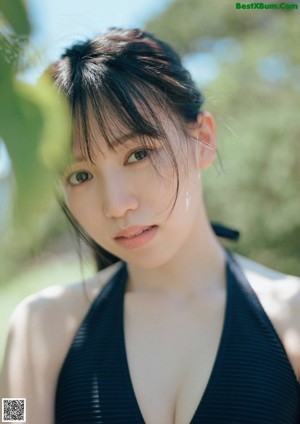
x=170, y=352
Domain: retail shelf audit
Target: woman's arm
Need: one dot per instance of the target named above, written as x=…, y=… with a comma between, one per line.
x=27, y=371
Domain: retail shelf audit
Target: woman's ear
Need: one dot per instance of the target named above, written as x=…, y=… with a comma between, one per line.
x=204, y=131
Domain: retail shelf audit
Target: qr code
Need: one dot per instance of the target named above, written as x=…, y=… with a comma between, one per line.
x=13, y=410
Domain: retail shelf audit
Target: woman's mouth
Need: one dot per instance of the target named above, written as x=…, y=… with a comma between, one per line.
x=134, y=237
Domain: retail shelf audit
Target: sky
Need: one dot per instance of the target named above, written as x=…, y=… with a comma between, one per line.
x=58, y=23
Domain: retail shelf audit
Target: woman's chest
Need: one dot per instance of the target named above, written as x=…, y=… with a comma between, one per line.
x=176, y=363
x=170, y=352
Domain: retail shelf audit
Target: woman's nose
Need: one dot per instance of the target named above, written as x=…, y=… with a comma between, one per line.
x=119, y=197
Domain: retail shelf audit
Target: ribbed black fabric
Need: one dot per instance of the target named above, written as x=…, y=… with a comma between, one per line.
x=252, y=380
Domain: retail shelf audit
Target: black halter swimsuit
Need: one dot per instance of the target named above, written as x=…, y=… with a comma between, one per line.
x=252, y=380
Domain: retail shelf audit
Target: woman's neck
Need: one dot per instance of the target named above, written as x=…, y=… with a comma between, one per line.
x=198, y=265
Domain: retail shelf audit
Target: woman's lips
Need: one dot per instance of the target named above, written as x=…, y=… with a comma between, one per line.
x=135, y=237
x=132, y=231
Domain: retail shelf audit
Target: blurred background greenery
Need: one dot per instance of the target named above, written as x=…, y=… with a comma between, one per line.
x=255, y=99
x=248, y=64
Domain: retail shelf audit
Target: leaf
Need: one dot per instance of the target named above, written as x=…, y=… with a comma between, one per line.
x=25, y=125
x=15, y=13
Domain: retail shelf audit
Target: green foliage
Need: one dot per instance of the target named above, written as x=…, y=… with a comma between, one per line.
x=34, y=122
x=14, y=13
x=257, y=123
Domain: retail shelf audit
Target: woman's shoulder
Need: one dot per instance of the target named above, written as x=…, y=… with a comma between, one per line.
x=279, y=295
x=58, y=301
x=61, y=307
x=263, y=276
x=41, y=331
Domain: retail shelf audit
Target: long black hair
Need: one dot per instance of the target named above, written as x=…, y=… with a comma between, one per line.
x=123, y=77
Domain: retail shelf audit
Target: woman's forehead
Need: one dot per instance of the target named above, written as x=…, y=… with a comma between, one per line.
x=94, y=138
x=90, y=136
x=100, y=146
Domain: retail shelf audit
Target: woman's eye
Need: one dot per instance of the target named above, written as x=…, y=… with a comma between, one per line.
x=138, y=155
x=79, y=177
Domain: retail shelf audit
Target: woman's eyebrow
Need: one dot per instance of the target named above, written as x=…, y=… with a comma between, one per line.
x=79, y=159
x=124, y=141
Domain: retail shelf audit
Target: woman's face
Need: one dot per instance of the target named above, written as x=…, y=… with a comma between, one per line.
x=124, y=204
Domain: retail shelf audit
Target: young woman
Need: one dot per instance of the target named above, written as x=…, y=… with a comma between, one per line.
x=173, y=328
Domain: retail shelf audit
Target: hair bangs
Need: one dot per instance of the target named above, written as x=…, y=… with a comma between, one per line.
x=118, y=108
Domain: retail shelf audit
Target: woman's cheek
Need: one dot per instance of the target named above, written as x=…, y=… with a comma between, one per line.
x=80, y=203
x=70, y=199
